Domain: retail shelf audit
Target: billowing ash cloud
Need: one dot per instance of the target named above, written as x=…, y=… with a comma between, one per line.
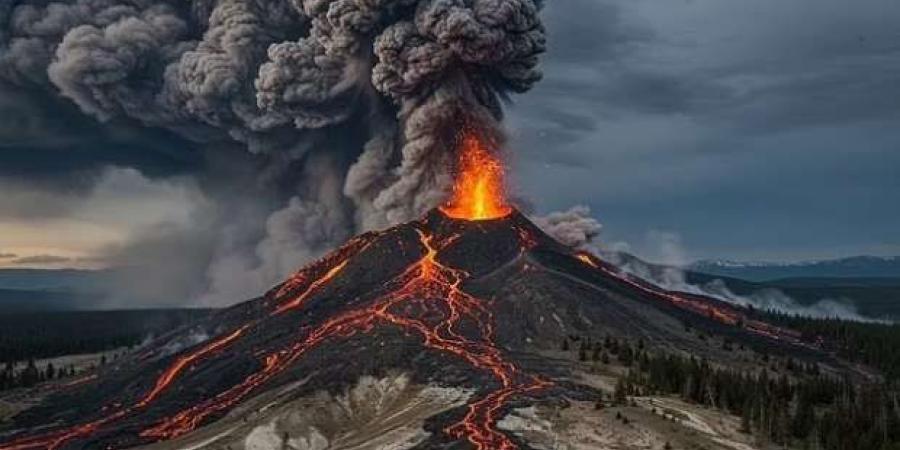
x=347, y=108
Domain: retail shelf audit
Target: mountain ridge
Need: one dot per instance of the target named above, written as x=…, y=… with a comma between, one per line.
x=862, y=266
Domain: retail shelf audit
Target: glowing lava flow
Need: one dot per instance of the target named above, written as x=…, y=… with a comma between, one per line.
x=478, y=191
x=433, y=288
x=184, y=361
x=313, y=277
x=426, y=299
x=728, y=316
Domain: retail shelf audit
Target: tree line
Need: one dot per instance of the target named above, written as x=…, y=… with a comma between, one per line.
x=29, y=374
x=48, y=335
x=784, y=402
x=872, y=344
x=27, y=338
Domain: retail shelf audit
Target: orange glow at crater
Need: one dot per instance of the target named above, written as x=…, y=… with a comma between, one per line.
x=479, y=191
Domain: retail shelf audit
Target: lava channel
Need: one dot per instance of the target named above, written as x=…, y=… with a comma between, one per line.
x=309, y=280
x=427, y=286
x=433, y=288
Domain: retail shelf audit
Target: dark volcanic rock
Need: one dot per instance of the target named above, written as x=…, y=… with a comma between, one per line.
x=529, y=293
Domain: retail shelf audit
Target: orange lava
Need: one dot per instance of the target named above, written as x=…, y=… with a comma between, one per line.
x=426, y=299
x=725, y=315
x=675, y=298
x=587, y=259
x=434, y=289
x=478, y=191
x=186, y=360
x=310, y=279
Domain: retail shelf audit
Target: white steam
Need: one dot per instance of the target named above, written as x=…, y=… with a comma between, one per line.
x=668, y=250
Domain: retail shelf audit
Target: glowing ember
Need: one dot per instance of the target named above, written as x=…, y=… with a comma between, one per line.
x=478, y=192
x=587, y=259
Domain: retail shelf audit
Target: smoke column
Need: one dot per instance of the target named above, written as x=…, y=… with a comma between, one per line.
x=346, y=107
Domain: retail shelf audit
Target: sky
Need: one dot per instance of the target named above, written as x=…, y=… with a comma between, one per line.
x=742, y=130
x=718, y=128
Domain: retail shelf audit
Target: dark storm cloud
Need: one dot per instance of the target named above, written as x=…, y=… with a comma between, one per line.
x=46, y=140
x=585, y=32
x=822, y=70
x=773, y=120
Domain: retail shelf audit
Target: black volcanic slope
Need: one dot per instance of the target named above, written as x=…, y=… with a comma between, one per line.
x=452, y=302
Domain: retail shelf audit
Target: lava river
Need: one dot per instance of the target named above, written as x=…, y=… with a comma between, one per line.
x=426, y=299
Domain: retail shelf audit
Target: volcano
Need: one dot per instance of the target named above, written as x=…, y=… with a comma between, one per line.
x=452, y=302
x=460, y=303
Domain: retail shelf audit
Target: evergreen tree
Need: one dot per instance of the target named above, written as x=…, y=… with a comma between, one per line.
x=30, y=376
x=619, y=394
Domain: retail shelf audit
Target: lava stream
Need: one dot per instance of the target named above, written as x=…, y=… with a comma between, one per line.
x=429, y=285
x=426, y=284
x=331, y=265
x=728, y=316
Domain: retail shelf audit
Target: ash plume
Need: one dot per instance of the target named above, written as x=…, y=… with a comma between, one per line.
x=344, y=110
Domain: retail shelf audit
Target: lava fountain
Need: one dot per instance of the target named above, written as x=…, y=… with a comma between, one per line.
x=479, y=189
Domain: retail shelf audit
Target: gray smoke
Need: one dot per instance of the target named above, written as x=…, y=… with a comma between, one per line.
x=346, y=108
x=574, y=227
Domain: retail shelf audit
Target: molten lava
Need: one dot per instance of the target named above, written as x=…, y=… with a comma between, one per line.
x=435, y=289
x=426, y=299
x=699, y=305
x=478, y=192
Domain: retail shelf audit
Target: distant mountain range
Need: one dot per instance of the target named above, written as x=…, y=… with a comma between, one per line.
x=38, y=290
x=852, y=267
x=52, y=279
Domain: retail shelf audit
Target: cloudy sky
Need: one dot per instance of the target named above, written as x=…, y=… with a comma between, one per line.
x=742, y=129
x=723, y=128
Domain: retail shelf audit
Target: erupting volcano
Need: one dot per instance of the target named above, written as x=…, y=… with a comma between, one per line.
x=466, y=297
